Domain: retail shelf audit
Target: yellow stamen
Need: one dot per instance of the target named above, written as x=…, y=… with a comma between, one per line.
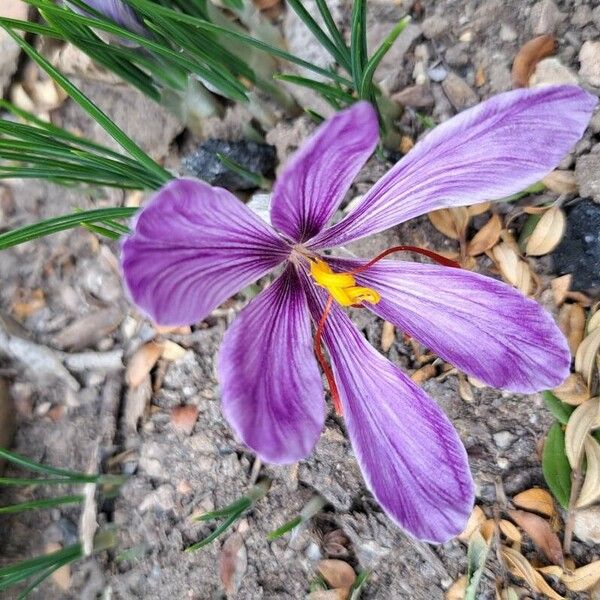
x=342, y=286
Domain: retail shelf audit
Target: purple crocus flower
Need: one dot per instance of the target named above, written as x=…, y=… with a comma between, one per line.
x=194, y=245
x=119, y=12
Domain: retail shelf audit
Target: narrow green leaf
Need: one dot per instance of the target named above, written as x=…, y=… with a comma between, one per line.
x=358, y=585
x=39, y=481
x=285, y=528
x=334, y=32
x=320, y=35
x=560, y=411
x=366, y=83
x=555, y=465
x=99, y=116
x=217, y=532
x=244, y=503
x=43, y=503
x=358, y=41
x=477, y=554
x=256, y=178
x=49, y=226
x=324, y=89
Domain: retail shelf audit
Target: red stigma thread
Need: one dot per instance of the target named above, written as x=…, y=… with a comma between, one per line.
x=333, y=390
x=442, y=260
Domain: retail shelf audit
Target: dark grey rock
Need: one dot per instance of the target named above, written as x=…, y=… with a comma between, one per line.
x=205, y=164
x=579, y=251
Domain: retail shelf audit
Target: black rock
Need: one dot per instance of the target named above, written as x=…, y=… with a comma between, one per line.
x=253, y=156
x=579, y=251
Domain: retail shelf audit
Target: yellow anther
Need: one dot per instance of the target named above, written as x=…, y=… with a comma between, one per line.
x=342, y=286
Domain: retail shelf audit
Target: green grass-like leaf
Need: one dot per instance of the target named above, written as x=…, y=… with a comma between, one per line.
x=49, y=226
x=42, y=503
x=560, y=410
x=555, y=465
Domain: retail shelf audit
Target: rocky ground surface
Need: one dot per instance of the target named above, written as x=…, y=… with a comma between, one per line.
x=73, y=400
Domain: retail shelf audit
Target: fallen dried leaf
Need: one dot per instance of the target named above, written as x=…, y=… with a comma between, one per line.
x=541, y=534
x=337, y=573
x=476, y=519
x=142, y=362
x=478, y=209
x=594, y=322
x=487, y=237
x=510, y=532
x=529, y=56
x=183, y=418
x=338, y=594
x=457, y=590
x=452, y=222
x=547, y=233
x=514, y=270
x=571, y=320
x=573, y=390
x=172, y=351
x=233, y=562
x=585, y=357
x=464, y=389
x=423, y=374
x=480, y=78
x=536, y=500
x=584, y=578
x=136, y=401
x=560, y=287
x=487, y=529
x=590, y=490
x=561, y=182
x=585, y=418
x=388, y=335
x=519, y=566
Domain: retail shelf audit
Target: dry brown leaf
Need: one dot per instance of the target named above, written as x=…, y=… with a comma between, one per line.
x=478, y=209
x=584, y=578
x=547, y=233
x=464, y=389
x=388, y=335
x=457, y=590
x=513, y=270
x=480, y=78
x=561, y=182
x=476, y=519
x=552, y=570
x=573, y=390
x=233, y=562
x=136, y=401
x=265, y=4
x=142, y=362
x=571, y=320
x=519, y=566
x=510, y=531
x=590, y=490
x=529, y=56
x=172, y=351
x=585, y=357
x=452, y=222
x=560, y=287
x=487, y=237
x=536, y=500
x=541, y=534
x=487, y=529
x=423, y=374
x=337, y=573
x=406, y=144
x=584, y=419
x=594, y=322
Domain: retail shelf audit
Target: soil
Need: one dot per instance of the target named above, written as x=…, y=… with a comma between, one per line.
x=64, y=417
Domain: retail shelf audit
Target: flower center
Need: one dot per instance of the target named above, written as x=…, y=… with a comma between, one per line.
x=341, y=286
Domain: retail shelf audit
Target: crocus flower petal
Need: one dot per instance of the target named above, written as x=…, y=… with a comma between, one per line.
x=119, y=12
x=410, y=454
x=478, y=324
x=485, y=153
x=317, y=177
x=192, y=247
x=272, y=394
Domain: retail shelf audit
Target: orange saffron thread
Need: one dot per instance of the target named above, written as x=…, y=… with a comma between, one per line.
x=447, y=262
x=333, y=390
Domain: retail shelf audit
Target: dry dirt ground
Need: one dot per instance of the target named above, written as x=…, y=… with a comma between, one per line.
x=64, y=419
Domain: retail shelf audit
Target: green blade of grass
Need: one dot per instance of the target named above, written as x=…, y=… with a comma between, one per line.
x=256, y=178
x=366, y=83
x=334, y=32
x=358, y=42
x=321, y=88
x=49, y=226
x=40, y=481
x=39, y=504
x=340, y=57
x=99, y=116
x=217, y=532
